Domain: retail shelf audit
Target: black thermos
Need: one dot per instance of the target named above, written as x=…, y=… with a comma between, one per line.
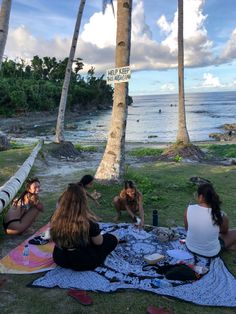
x=155, y=218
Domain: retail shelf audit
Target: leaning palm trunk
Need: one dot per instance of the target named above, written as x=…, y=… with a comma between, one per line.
x=59, y=137
x=112, y=165
x=4, y=24
x=12, y=186
x=182, y=135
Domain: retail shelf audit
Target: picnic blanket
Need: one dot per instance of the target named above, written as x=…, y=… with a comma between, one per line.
x=123, y=269
x=39, y=260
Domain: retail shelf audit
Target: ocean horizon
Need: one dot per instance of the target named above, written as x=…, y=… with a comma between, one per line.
x=154, y=118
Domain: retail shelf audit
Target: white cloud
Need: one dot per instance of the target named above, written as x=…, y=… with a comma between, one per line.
x=96, y=44
x=197, y=45
x=229, y=53
x=21, y=43
x=168, y=87
x=210, y=81
x=101, y=29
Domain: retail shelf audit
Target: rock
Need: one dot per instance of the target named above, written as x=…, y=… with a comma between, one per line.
x=71, y=126
x=230, y=126
x=4, y=142
x=198, y=180
x=222, y=136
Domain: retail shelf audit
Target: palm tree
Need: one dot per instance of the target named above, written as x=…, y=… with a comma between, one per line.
x=59, y=137
x=182, y=135
x=112, y=165
x=183, y=147
x=4, y=24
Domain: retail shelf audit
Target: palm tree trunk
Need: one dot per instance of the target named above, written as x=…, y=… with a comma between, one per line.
x=12, y=186
x=182, y=135
x=112, y=166
x=59, y=137
x=4, y=24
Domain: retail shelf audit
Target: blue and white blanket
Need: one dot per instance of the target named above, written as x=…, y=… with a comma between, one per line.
x=123, y=270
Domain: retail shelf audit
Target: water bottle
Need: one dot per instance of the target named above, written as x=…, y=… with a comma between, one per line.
x=26, y=255
x=155, y=218
x=161, y=283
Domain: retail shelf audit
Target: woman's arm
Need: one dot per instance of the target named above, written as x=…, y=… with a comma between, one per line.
x=141, y=211
x=224, y=227
x=185, y=219
x=92, y=198
x=98, y=240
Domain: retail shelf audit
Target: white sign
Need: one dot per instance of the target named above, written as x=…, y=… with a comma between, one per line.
x=118, y=75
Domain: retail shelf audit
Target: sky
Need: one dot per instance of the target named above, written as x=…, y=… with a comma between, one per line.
x=45, y=28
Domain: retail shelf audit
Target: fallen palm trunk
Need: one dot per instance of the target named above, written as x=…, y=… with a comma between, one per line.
x=12, y=186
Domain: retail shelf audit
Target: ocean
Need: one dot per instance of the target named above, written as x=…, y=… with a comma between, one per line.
x=154, y=118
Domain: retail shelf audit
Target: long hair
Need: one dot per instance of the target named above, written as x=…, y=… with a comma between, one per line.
x=85, y=180
x=26, y=191
x=70, y=222
x=212, y=199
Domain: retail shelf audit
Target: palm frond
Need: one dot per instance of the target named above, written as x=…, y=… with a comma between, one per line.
x=104, y=5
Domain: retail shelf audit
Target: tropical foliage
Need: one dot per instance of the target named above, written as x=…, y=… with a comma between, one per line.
x=37, y=85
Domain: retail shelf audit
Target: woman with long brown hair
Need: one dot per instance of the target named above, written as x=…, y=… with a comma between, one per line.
x=79, y=244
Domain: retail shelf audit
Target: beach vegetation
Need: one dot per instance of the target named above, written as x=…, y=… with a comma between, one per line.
x=88, y=149
x=36, y=86
x=226, y=150
x=144, y=152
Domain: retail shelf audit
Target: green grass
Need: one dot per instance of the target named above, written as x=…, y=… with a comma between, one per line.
x=15, y=145
x=227, y=150
x=89, y=149
x=143, y=152
x=165, y=187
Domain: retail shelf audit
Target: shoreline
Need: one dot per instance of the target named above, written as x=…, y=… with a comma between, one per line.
x=28, y=129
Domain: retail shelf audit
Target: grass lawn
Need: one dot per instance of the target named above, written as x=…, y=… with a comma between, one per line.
x=165, y=187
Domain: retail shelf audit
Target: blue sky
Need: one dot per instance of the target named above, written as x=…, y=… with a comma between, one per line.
x=45, y=27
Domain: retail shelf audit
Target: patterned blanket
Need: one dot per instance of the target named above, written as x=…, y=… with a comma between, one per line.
x=39, y=259
x=123, y=269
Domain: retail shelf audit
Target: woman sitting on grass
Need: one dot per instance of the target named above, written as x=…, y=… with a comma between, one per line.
x=207, y=226
x=24, y=209
x=130, y=199
x=79, y=244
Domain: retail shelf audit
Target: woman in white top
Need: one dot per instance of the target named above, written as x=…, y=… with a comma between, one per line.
x=207, y=226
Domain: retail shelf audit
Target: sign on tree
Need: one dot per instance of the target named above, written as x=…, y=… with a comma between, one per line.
x=118, y=75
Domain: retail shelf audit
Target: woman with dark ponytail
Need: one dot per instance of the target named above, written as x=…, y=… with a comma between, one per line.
x=87, y=182
x=207, y=226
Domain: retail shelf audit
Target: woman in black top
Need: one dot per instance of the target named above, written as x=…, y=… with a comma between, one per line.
x=79, y=244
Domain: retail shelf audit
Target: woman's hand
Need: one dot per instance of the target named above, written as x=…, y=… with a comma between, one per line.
x=39, y=206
